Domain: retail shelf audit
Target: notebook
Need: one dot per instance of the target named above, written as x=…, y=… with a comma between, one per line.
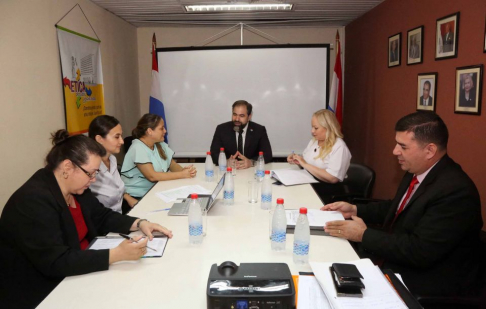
x=205, y=201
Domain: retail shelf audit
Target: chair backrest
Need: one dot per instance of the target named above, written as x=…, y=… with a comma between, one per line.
x=360, y=180
x=127, y=143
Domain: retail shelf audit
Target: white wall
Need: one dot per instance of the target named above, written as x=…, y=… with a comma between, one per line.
x=195, y=36
x=30, y=79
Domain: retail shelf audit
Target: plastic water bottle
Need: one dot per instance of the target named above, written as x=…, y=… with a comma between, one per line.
x=302, y=238
x=209, y=172
x=222, y=160
x=279, y=227
x=195, y=221
x=260, y=167
x=229, y=188
x=266, y=192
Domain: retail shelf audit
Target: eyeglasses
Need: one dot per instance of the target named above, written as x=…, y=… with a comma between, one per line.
x=90, y=175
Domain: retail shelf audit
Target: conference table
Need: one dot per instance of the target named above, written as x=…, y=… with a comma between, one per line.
x=238, y=233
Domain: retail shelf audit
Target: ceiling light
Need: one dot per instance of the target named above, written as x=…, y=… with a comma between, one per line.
x=237, y=7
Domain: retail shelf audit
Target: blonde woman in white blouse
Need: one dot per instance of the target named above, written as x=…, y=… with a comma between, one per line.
x=326, y=156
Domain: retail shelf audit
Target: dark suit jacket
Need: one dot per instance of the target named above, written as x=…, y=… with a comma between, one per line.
x=431, y=101
x=447, y=42
x=434, y=243
x=39, y=243
x=256, y=140
x=463, y=102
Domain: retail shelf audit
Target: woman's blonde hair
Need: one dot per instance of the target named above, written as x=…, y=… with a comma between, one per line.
x=328, y=120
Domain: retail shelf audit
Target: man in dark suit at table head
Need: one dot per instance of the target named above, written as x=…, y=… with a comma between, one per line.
x=429, y=233
x=426, y=99
x=241, y=138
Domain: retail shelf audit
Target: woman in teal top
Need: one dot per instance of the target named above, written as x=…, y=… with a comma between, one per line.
x=149, y=158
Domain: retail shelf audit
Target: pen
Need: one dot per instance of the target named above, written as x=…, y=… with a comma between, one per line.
x=130, y=238
x=391, y=283
x=164, y=209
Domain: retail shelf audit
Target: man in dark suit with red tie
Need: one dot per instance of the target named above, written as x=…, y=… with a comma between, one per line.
x=430, y=230
x=241, y=138
x=448, y=39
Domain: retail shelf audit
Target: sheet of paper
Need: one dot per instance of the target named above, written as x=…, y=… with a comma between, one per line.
x=172, y=195
x=311, y=295
x=290, y=177
x=158, y=243
x=316, y=217
x=378, y=294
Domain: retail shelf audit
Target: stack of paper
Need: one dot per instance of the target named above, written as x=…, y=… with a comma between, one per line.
x=172, y=195
x=317, y=218
x=290, y=177
x=310, y=294
x=378, y=294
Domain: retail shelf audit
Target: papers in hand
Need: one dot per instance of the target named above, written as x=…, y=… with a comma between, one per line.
x=317, y=218
x=172, y=195
x=379, y=294
x=158, y=243
x=291, y=177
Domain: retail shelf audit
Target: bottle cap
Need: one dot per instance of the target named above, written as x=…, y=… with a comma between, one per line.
x=280, y=201
x=194, y=196
x=208, y=153
x=303, y=210
x=267, y=172
x=229, y=169
x=222, y=149
x=260, y=153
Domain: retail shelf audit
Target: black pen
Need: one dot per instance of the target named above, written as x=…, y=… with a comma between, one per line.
x=130, y=238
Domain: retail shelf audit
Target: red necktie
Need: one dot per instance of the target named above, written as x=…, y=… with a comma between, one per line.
x=407, y=197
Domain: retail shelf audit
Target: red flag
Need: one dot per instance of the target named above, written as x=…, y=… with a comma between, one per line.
x=336, y=95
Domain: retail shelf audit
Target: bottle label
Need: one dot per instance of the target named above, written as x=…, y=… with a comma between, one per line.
x=222, y=168
x=266, y=198
x=195, y=229
x=229, y=195
x=301, y=248
x=279, y=236
x=209, y=173
x=260, y=173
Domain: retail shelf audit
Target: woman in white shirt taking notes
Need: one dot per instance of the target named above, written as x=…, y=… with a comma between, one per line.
x=326, y=156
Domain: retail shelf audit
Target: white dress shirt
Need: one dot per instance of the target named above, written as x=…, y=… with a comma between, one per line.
x=109, y=187
x=243, y=136
x=335, y=163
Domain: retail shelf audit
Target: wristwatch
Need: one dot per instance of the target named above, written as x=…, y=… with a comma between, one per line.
x=140, y=221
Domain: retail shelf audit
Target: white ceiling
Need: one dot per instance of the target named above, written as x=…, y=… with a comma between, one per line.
x=152, y=13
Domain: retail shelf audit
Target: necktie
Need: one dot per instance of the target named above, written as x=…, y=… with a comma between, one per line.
x=407, y=196
x=240, y=141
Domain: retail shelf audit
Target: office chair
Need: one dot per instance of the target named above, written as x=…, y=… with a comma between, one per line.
x=128, y=142
x=358, y=185
x=477, y=301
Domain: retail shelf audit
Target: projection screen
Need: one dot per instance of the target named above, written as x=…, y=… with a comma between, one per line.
x=285, y=85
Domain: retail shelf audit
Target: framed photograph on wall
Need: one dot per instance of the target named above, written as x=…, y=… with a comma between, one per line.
x=469, y=81
x=426, y=91
x=394, y=48
x=415, y=46
x=446, y=37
